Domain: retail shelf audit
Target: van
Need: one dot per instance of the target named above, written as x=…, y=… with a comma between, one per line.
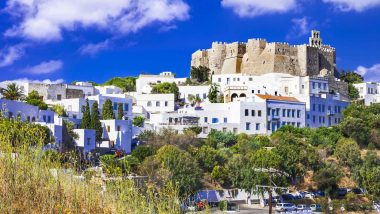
x=285, y=207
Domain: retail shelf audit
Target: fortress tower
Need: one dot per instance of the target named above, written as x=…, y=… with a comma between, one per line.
x=257, y=57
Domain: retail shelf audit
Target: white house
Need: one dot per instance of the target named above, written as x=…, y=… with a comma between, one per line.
x=368, y=92
x=197, y=90
x=260, y=115
x=144, y=82
x=108, y=89
x=117, y=134
x=86, y=139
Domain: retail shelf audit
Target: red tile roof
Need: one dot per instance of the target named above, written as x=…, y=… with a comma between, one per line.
x=281, y=98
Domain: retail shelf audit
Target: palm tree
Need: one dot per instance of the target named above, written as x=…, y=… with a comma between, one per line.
x=12, y=92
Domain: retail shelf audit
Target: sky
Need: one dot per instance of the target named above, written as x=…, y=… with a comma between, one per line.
x=95, y=40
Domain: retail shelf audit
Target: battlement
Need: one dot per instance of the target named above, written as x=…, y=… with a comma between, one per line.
x=257, y=57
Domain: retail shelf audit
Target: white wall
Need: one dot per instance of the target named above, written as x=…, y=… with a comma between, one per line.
x=86, y=139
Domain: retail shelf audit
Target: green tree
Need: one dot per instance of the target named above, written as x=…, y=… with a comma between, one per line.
x=68, y=136
x=95, y=122
x=213, y=93
x=138, y=121
x=355, y=128
x=60, y=110
x=141, y=152
x=208, y=158
x=200, y=74
x=348, y=152
x=327, y=178
x=86, y=118
x=367, y=175
x=120, y=111
x=166, y=88
x=353, y=92
x=127, y=84
x=184, y=170
x=351, y=78
x=218, y=139
x=107, y=110
x=35, y=99
x=12, y=92
x=195, y=129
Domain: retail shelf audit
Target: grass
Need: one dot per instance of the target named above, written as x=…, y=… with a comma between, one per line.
x=33, y=181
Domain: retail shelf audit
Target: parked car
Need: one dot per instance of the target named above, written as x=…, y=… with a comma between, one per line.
x=301, y=207
x=357, y=191
x=342, y=192
x=309, y=195
x=319, y=193
x=285, y=207
x=316, y=207
x=276, y=199
x=287, y=197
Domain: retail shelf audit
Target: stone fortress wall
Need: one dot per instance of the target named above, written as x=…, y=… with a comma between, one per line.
x=257, y=57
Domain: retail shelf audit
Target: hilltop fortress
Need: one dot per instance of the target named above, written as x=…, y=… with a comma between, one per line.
x=257, y=57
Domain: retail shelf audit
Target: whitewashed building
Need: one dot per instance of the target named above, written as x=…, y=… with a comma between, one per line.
x=117, y=135
x=145, y=82
x=261, y=114
x=86, y=139
x=368, y=92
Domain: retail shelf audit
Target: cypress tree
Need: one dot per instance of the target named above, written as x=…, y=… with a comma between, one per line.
x=107, y=110
x=95, y=121
x=86, y=118
x=120, y=111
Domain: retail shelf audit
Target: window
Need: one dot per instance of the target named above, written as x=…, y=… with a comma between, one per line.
x=28, y=119
x=149, y=104
x=319, y=107
x=219, y=79
x=268, y=126
x=269, y=111
x=74, y=116
x=293, y=113
x=284, y=112
x=114, y=106
x=313, y=107
x=253, y=91
x=247, y=126
x=205, y=130
x=166, y=103
x=224, y=129
x=257, y=126
x=157, y=103
x=298, y=113
x=126, y=107
x=303, y=86
x=308, y=116
x=205, y=119
x=246, y=112
x=258, y=91
x=118, y=128
x=253, y=113
x=313, y=118
x=259, y=113
x=250, y=79
x=108, y=128
x=313, y=85
x=44, y=118
x=225, y=120
x=324, y=86
x=234, y=130
x=204, y=96
x=49, y=119
x=33, y=119
x=215, y=120
x=319, y=85
x=298, y=124
x=59, y=97
x=88, y=141
x=288, y=113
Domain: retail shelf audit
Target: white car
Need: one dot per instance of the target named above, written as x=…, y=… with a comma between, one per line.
x=285, y=207
x=303, y=207
x=309, y=195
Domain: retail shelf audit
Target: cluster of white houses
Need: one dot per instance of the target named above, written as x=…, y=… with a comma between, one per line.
x=252, y=104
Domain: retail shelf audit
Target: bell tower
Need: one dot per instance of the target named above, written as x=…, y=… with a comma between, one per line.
x=315, y=39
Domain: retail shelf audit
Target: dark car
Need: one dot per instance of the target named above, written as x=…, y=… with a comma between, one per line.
x=341, y=192
x=357, y=191
x=319, y=194
x=287, y=197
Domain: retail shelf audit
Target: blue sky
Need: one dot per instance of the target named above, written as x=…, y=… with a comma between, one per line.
x=97, y=39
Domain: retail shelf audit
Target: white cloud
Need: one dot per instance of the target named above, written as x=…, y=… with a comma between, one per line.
x=46, y=67
x=252, y=8
x=356, y=5
x=10, y=54
x=92, y=49
x=26, y=80
x=45, y=20
x=371, y=74
x=301, y=27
